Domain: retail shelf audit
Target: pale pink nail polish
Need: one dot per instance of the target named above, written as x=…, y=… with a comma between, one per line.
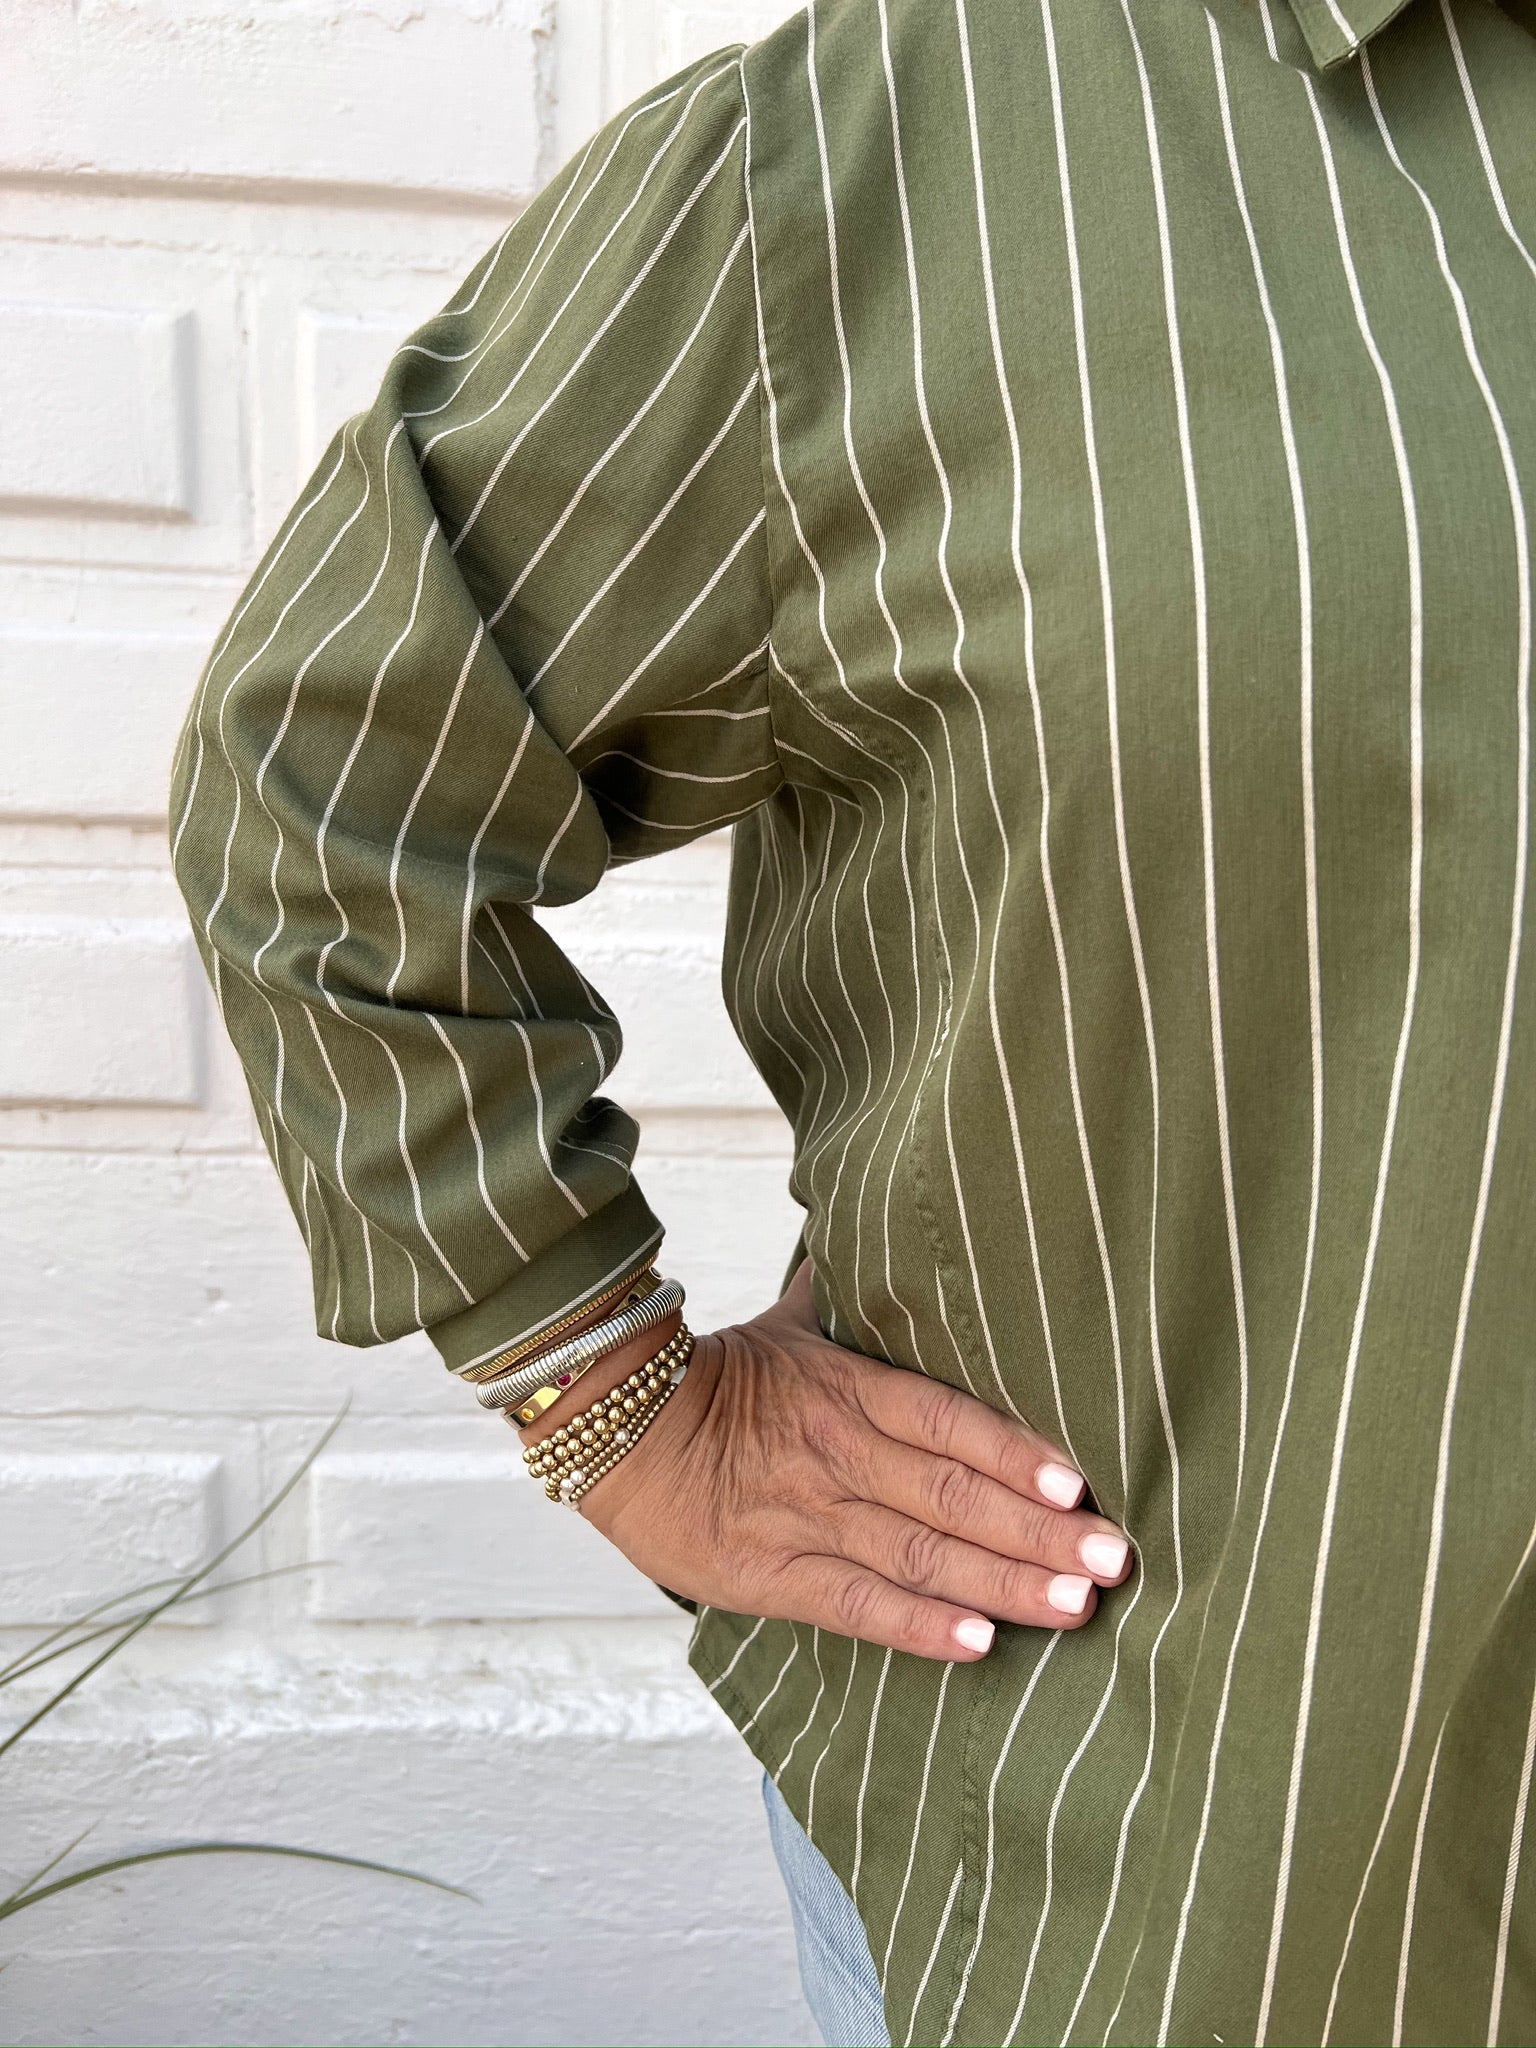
x=1068, y=1594
x=975, y=1635
x=1062, y=1487
x=1104, y=1556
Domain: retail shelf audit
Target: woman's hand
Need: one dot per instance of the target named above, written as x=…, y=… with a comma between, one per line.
x=791, y=1478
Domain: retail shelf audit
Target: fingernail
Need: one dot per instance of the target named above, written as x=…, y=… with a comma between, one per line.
x=1063, y=1487
x=1104, y=1555
x=975, y=1635
x=1068, y=1594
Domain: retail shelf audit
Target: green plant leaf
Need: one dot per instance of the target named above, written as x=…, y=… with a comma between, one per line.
x=40, y=1654
x=76, y=1635
x=180, y=1591
x=35, y=1893
x=79, y=1621
x=52, y=1864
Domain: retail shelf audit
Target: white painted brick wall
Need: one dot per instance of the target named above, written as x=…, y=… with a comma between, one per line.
x=62, y=1519
x=215, y=221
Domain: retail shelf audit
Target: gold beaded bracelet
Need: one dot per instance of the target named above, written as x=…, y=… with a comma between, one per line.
x=577, y=1442
x=679, y=1373
x=574, y=1457
x=638, y=1387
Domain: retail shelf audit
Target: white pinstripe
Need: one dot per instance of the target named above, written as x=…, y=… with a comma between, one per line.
x=751, y=1720
x=986, y=1889
x=755, y=924
x=810, y=1797
x=1480, y=134
x=1430, y=1585
x=812, y=894
x=1517, y=1830
x=636, y=279
x=882, y=554
x=416, y=796
x=856, y=474
x=194, y=724
x=471, y=874
x=849, y=1120
x=778, y=1775
x=633, y=553
x=1134, y=930
x=933, y=1953
x=673, y=775
x=869, y=1751
x=707, y=589
x=750, y=1637
x=625, y=435
x=359, y=738
x=1410, y=1906
x=1511, y=1880
x=922, y=1801
x=1399, y=1063
x=481, y=349
x=341, y=1179
x=766, y=374
x=345, y=922
x=499, y=328
x=1301, y=531
x=473, y=1121
x=245, y=667
x=957, y=664
x=1037, y=714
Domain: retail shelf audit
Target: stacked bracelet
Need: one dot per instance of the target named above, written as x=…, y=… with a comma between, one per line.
x=606, y=1464
x=576, y=1456
x=638, y=1283
x=564, y=1365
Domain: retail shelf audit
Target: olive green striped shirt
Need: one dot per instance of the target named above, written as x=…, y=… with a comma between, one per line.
x=1060, y=477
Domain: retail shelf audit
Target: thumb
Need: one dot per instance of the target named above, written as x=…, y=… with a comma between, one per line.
x=797, y=1304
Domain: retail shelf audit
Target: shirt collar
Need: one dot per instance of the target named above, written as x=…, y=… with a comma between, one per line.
x=1336, y=29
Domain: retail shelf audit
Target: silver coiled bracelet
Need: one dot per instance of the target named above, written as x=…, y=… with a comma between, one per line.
x=547, y=1367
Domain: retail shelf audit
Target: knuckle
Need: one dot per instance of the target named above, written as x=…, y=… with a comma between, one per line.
x=1018, y=1459
x=1041, y=1536
x=912, y=1630
x=918, y=1552
x=936, y=1410
x=1021, y=1588
x=954, y=1492
x=768, y=1587
x=855, y=1604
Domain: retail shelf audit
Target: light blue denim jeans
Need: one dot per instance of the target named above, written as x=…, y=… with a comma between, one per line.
x=837, y=1971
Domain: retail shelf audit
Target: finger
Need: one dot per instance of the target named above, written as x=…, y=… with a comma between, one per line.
x=934, y=1417
x=959, y=1500
x=849, y=1600
x=926, y=1561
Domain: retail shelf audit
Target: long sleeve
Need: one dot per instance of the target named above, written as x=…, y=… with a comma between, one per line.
x=513, y=632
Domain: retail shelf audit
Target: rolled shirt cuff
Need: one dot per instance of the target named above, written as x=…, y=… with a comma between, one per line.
x=620, y=1237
